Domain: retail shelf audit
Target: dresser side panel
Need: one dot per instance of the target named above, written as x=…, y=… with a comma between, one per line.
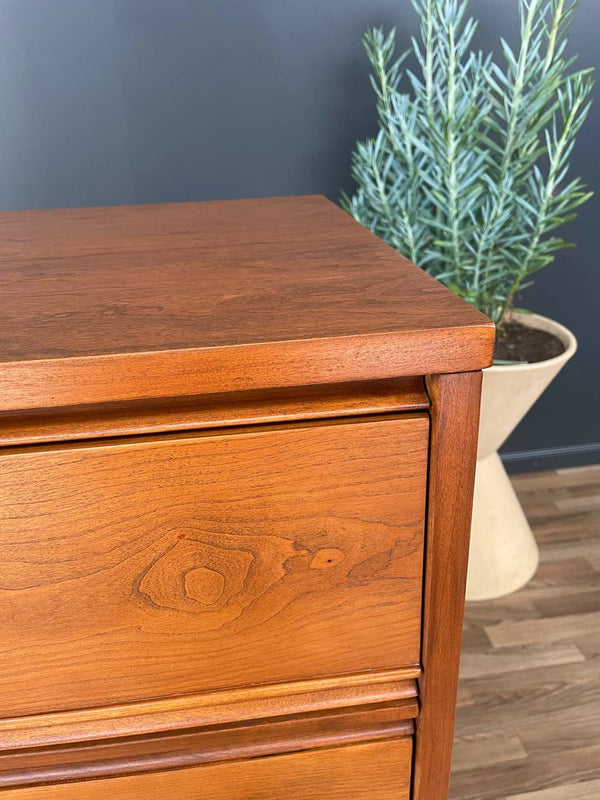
x=455, y=400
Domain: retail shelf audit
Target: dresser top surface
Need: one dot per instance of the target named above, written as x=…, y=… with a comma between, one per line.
x=121, y=279
x=133, y=302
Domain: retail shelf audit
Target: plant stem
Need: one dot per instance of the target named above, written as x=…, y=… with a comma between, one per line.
x=553, y=171
x=451, y=147
x=510, y=146
x=553, y=37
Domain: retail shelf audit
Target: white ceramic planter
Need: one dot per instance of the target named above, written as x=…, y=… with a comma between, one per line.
x=504, y=555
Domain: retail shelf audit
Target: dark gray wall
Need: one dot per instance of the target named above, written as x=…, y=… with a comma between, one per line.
x=140, y=101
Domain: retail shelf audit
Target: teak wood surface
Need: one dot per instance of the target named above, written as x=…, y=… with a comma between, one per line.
x=372, y=771
x=134, y=302
x=229, y=706
x=237, y=445
x=216, y=743
x=176, y=565
x=213, y=411
x=454, y=421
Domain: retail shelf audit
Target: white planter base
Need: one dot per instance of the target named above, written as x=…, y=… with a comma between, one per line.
x=504, y=555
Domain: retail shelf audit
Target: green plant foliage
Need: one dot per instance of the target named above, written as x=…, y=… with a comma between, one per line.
x=469, y=173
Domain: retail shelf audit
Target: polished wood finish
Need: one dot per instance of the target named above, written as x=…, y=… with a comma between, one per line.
x=188, y=564
x=454, y=422
x=128, y=303
x=189, y=747
x=372, y=771
x=237, y=444
x=212, y=411
x=78, y=381
x=528, y=720
x=212, y=708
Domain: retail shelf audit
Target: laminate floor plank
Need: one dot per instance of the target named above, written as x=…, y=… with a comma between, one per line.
x=562, y=570
x=590, y=790
x=514, y=607
x=465, y=698
x=578, y=503
x=480, y=750
x=555, y=683
x=515, y=659
x=579, y=603
x=575, y=728
x=571, y=549
x=528, y=719
x=553, y=526
x=475, y=639
x=578, y=575
x=527, y=775
x=590, y=647
x=556, y=479
x=557, y=715
x=540, y=631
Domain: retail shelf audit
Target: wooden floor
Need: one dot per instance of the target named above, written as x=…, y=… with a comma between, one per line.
x=528, y=724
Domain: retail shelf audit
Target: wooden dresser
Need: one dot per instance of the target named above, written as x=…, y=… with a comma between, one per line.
x=237, y=443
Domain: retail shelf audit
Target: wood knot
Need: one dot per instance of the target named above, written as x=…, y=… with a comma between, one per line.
x=326, y=558
x=204, y=585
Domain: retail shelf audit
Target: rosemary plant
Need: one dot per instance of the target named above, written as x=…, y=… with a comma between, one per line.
x=469, y=173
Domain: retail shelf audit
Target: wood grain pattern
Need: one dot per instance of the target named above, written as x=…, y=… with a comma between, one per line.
x=212, y=411
x=546, y=692
x=211, y=708
x=125, y=303
x=182, y=564
x=215, y=466
x=374, y=771
x=102, y=379
x=184, y=748
x=454, y=424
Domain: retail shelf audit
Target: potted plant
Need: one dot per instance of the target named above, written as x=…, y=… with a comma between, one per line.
x=468, y=176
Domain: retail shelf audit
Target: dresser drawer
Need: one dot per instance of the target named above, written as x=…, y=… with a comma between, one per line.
x=178, y=564
x=375, y=771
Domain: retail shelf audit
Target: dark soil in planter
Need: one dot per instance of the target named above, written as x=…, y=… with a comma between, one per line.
x=517, y=342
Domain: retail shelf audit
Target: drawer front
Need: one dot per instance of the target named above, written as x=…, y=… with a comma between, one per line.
x=183, y=564
x=375, y=771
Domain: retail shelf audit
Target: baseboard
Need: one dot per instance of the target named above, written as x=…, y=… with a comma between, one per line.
x=572, y=455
